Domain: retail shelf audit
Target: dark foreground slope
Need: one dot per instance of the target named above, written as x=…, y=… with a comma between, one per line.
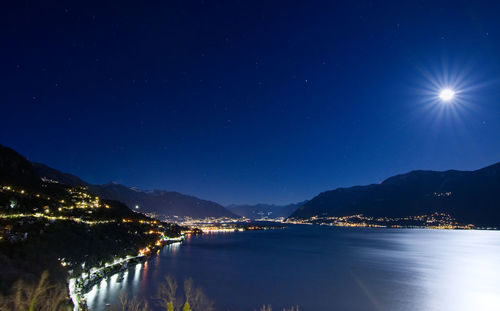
x=65, y=229
x=162, y=203
x=16, y=170
x=469, y=196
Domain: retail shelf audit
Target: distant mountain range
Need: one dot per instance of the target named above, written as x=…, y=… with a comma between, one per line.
x=469, y=196
x=163, y=203
x=14, y=167
x=270, y=211
x=160, y=202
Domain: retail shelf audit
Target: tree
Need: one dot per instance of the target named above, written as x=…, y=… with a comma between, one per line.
x=167, y=294
x=134, y=304
x=42, y=296
x=197, y=299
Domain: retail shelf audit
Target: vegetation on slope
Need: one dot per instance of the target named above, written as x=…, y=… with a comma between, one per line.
x=46, y=225
x=45, y=296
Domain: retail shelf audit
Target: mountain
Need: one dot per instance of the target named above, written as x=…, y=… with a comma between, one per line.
x=469, y=196
x=162, y=203
x=15, y=169
x=159, y=202
x=62, y=228
x=55, y=175
x=17, y=172
x=264, y=210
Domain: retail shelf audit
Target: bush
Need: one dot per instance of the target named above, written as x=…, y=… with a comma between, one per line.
x=44, y=296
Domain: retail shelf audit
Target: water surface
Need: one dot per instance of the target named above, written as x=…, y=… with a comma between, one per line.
x=324, y=268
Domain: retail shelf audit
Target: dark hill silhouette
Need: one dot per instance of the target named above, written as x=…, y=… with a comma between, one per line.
x=469, y=196
x=162, y=203
x=61, y=177
x=46, y=220
x=16, y=170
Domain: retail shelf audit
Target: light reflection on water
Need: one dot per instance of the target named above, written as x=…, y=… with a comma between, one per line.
x=322, y=268
x=449, y=268
x=126, y=281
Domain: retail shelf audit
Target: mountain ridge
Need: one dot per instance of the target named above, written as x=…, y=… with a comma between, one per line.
x=260, y=210
x=64, y=229
x=470, y=196
x=163, y=203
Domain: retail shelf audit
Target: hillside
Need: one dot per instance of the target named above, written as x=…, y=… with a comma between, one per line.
x=159, y=202
x=55, y=175
x=469, y=196
x=16, y=170
x=162, y=203
x=65, y=229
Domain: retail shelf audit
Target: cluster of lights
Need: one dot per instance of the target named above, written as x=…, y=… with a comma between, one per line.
x=145, y=251
x=54, y=218
x=190, y=221
x=80, y=199
x=432, y=221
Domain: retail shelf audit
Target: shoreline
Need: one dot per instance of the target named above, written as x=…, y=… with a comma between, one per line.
x=79, y=287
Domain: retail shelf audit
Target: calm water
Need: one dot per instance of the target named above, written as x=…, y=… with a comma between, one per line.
x=323, y=268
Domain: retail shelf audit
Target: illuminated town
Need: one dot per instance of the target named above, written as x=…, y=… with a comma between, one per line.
x=219, y=224
x=431, y=221
x=23, y=212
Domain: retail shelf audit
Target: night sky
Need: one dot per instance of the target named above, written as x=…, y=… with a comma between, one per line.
x=246, y=101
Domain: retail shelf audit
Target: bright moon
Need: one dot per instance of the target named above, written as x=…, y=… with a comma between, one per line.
x=446, y=94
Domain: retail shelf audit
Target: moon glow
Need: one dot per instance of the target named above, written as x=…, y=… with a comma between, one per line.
x=446, y=94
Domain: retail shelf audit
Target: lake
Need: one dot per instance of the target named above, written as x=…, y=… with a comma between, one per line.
x=326, y=268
